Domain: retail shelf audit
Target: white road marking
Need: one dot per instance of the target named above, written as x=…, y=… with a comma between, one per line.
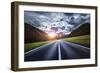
x=59, y=52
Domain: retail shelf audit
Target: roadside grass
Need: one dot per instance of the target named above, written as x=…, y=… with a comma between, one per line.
x=82, y=40
x=30, y=46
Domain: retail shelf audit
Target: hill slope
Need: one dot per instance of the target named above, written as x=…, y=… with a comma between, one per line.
x=33, y=34
x=84, y=29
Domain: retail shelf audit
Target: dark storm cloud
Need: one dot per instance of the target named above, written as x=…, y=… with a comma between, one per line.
x=55, y=21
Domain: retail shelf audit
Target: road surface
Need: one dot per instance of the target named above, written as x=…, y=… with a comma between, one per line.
x=58, y=50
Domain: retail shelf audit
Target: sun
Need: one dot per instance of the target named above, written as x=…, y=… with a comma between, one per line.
x=52, y=35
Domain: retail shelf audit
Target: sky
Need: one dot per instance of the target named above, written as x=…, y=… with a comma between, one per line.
x=57, y=22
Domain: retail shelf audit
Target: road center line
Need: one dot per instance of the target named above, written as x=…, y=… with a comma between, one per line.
x=59, y=52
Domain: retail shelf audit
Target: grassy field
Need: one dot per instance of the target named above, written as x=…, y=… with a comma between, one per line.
x=31, y=46
x=82, y=40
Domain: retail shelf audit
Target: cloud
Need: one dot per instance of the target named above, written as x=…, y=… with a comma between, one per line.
x=55, y=21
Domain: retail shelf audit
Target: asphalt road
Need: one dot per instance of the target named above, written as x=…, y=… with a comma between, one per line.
x=58, y=50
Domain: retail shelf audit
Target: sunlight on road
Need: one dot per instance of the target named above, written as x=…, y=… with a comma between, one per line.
x=59, y=40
